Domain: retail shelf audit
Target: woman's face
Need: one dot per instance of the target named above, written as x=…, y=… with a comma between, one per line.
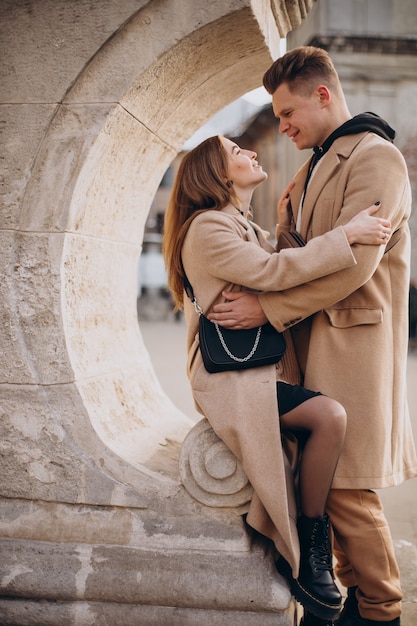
x=244, y=169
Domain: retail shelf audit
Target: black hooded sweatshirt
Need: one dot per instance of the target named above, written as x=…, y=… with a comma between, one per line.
x=358, y=124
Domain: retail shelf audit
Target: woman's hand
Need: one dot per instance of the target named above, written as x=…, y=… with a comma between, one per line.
x=284, y=211
x=367, y=229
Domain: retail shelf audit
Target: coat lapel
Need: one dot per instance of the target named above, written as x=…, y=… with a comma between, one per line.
x=297, y=192
x=321, y=177
x=331, y=161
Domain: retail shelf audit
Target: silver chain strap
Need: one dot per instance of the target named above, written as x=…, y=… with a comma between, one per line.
x=232, y=356
x=197, y=307
x=200, y=311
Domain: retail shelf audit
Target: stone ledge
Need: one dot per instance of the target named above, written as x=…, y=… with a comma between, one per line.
x=77, y=584
x=13, y=613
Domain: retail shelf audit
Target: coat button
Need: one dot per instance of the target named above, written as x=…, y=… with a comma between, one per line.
x=292, y=322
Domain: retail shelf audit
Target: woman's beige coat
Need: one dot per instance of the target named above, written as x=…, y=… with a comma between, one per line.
x=223, y=250
x=357, y=344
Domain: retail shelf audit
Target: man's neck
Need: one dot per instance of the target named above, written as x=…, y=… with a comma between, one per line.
x=337, y=120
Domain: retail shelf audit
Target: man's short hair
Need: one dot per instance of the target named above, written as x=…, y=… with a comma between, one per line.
x=301, y=69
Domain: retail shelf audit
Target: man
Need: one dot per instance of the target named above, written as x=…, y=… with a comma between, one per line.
x=350, y=328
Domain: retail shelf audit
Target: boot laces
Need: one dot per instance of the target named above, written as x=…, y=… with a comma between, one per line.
x=320, y=548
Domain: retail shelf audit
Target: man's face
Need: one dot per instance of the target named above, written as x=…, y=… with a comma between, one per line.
x=301, y=117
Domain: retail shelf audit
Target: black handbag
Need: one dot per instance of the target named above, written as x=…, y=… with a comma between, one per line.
x=223, y=349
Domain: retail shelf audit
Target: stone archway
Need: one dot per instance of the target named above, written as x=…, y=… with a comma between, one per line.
x=105, y=101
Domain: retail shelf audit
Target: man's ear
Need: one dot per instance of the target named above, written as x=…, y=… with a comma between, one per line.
x=324, y=95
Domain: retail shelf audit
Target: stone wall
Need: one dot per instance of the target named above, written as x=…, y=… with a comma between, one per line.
x=96, y=526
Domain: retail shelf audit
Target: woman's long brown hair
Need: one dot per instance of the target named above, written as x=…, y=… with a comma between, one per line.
x=201, y=184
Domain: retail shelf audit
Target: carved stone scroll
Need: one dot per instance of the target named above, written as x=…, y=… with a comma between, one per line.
x=210, y=472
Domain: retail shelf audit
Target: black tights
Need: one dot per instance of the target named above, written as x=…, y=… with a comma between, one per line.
x=323, y=420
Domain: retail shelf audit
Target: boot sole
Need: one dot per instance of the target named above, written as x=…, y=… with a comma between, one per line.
x=317, y=607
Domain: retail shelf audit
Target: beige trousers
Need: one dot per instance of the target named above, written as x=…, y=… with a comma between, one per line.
x=364, y=551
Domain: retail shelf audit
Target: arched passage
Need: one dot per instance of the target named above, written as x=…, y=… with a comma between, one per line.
x=189, y=81
x=118, y=128
x=89, y=452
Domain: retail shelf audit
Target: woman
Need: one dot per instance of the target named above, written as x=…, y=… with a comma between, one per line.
x=256, y=412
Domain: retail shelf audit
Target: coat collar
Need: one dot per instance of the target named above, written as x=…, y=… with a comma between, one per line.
x=231, y=210
x=342, y=148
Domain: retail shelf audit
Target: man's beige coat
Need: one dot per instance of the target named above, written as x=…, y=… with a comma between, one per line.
x=357, y=343
x=223, y=250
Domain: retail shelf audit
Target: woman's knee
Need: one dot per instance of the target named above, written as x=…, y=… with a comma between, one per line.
x=319, y=414
x=332, y=417
x=338, y=418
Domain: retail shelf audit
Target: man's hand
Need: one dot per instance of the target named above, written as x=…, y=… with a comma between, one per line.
x=242, y=310
x=284, y=211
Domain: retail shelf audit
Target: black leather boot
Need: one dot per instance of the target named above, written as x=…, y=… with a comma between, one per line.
x=316, y=580
x=314, y=588
x=350, y=615
x=308, y=619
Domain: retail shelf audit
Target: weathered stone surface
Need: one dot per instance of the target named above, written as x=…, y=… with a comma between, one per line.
x=56, y=37
x=66, y=143
x=199, y=579
x=33, y=345
x=50, y=452
x=131, y=523
x=124, y=166
x=182, y=86
x=210, y=472
x=22, y=128
x=95, y=522
x=26, y=613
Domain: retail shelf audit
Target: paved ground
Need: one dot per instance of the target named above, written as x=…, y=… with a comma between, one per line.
x=166, y=344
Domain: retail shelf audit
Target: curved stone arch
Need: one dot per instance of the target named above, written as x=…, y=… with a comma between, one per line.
x=90, y=448
x=117, y=145
x=74, y=241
